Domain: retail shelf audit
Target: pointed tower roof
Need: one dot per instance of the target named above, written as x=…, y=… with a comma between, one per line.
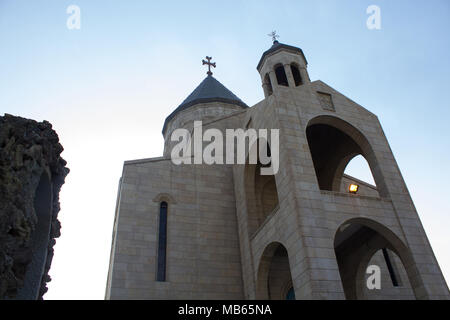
x=209, y=90
x=275, y=48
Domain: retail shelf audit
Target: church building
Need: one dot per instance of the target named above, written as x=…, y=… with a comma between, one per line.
x=309, y=231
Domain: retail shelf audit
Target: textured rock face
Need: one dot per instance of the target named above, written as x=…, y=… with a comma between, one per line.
x=31, y=174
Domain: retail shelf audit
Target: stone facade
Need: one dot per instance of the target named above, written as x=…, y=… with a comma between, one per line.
x=31, y=175
x=233, y=234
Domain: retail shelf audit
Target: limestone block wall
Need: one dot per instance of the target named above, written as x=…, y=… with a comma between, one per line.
x=205, y=112
x=308, y=218
x=218, y=247
x=203, y=260
x=302, y=103
x=282, y=226
x=390, y=184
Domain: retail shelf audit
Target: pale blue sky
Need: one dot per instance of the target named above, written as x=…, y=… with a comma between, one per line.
x=108, y=87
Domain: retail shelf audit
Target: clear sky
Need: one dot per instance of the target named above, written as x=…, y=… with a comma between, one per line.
x=108, y=87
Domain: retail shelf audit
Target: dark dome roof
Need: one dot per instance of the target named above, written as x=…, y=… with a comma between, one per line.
x=277, y=46
x=209, y=90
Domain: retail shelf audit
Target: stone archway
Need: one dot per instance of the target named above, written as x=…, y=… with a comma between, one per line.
x=274, y=281
x=356, y=243
x=333, y=143
x=261, y=193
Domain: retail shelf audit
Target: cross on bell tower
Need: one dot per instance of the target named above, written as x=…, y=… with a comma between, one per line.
x=209, y=63
x=274, y=36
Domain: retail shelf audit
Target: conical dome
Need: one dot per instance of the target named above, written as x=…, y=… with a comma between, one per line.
x=209, y=90
x=277, y=46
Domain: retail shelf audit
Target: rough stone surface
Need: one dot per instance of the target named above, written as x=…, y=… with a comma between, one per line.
x=27, y=150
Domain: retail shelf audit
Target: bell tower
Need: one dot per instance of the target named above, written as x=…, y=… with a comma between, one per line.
x=282, y=66
x=304, y=233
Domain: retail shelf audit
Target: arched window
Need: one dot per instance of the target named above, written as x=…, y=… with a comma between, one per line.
x=332, y=149
x=261, y=191
x=162, y=242
x=274, y=273
x=281, y=76
x=360, y=243
x=268, y=84
x=296, y=75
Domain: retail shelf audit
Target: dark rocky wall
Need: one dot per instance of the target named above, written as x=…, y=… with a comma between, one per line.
x=28, y=149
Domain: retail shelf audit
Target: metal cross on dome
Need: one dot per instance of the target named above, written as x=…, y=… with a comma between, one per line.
x=274, y=36
x=209, y=63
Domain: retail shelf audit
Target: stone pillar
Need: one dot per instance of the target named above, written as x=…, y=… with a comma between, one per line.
x=273, y=79
x=265, y=89
x=304, y=75
x=289, y=76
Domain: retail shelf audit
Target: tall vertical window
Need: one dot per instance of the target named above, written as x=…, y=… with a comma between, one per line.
x=162, y=242
x=281, y=75
x=391, y=268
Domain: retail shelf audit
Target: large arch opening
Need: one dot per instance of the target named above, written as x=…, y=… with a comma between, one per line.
x=261, y=193
x=333, y=144
x=274, y=281
x=362, y=242
x=38, y=240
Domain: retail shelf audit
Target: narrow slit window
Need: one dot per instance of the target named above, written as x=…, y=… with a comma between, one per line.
x=391, y=268
x=162, y=243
